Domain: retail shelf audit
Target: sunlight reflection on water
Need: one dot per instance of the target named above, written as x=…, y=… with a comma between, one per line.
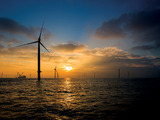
x=68, y=98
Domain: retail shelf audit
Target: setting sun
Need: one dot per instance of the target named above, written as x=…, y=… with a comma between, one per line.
x=68, y=68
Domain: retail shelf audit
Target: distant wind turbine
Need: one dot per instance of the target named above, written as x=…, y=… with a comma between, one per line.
x=39, y=43
x=55, y=72
x=56, y=75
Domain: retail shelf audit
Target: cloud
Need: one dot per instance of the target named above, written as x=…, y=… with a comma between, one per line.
x=141, y=27
x=9, y=41
x=110, y=30
x=109, y=51
x=1, y=46
x=109, y=58
x=2, y=37
x=11, y=26
x=29, y=51
x=104, y=60
x=145, y=47
x=69, y=47
x=47, y=35
x=112, y=56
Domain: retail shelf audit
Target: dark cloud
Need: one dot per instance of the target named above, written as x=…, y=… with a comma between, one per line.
x=2, y=37
x=145, y=47
x=47, y=35
x=141, y=27
x=13, y=41
x=110, y=30
x=10, y=26
x=9, y=41
x=1, y=46
x=140, y=21
x=69, y=47
x=112, y=57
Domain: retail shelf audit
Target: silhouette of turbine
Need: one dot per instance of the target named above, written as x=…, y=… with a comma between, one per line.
x=55, y=72
x=39, y=43
x=56, y=75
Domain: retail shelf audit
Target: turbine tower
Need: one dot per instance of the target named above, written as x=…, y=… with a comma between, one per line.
x=39, y=43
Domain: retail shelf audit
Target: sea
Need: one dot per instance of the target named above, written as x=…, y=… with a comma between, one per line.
x=80, y=99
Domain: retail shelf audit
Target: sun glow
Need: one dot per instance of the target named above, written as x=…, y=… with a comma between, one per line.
x=68, y=68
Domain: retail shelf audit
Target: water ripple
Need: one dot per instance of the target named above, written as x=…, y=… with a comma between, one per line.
x=73, y=99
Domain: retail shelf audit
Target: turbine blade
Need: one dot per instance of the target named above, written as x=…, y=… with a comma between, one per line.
x=44, y=47
x=39, y=39
x=27, y=44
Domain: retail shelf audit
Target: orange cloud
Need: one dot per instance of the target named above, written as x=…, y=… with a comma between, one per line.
x=78, y=56
x=70, y=47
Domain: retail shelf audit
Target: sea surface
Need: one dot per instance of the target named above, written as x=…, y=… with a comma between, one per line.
x=79, y=99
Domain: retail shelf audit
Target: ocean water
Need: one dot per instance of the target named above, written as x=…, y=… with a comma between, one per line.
x=79, y=99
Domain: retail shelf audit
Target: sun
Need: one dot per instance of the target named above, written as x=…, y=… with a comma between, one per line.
x=68, y=68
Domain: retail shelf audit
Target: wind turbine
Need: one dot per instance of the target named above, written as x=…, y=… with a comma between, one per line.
x=55, y=72
x=39, y=43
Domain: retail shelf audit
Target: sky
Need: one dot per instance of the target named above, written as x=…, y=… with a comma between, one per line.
x=100, y=36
